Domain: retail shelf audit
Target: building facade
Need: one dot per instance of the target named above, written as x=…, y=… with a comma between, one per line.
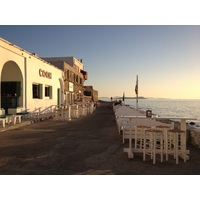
x=28, y=83
x=90, y=94
x=74, y=77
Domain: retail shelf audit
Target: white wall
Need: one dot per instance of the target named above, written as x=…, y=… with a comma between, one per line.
x=34, y=76
x=29, y=65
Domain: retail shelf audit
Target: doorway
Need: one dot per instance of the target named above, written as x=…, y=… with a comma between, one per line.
x=11, y=86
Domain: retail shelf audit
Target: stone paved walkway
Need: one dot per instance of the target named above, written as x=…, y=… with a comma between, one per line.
x=88, y=145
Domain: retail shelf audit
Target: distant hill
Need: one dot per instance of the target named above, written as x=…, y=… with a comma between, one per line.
x=135, y=97
x=117, y=97
x=140, y=97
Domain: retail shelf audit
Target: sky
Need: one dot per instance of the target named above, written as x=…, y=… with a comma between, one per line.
x=166, y=58
x=157, y=40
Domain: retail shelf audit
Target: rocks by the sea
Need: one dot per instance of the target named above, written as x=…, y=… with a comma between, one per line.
x=194, y=134
x=195, y=138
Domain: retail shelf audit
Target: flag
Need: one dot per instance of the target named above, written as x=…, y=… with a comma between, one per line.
x=136, y=92
x=136, y=87
x=123, y=97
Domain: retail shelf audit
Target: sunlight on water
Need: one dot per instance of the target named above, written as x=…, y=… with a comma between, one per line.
x=168, y=107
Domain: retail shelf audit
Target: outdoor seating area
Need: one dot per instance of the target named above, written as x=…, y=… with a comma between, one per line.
x=10, y=119
x=62, y=113
x=147, y=135
x=73, y=111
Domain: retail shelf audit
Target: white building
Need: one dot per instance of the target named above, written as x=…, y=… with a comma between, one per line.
x=27, y=82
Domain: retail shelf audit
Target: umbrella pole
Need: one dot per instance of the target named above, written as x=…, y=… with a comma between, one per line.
x=137, y=102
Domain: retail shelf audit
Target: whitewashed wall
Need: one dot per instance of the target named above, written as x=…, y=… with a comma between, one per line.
x=17, y=64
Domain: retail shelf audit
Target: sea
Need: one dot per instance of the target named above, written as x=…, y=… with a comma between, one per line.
x=167, y=107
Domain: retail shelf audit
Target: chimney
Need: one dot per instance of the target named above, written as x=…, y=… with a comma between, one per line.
x=35, y=54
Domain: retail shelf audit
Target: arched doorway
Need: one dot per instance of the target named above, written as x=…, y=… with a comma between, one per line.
x=11, y=86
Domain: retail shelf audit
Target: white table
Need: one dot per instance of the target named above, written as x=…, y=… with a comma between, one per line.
x=130, y=150
x=183, y=120
x=183, y=126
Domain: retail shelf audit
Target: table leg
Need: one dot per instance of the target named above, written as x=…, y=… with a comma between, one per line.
x=183, y=124
x=129, y=149
x=4, y=122
x=165, y=143
x=130, y=154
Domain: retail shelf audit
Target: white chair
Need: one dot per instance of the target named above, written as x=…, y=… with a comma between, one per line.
x=139, y=136
x=3, y=121
x=178, y=144
x=82, y=110
x=153, y=144
x=167, y=138
x=74, y=111
x=120, y=123
x=17, y=118
x=130, y=126
x=128, y=130
x=66, y=114
x=58, y=114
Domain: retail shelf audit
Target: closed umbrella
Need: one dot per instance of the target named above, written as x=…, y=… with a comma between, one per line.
x=136, y=92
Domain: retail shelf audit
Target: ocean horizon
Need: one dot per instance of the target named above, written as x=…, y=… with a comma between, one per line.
x=167, y=107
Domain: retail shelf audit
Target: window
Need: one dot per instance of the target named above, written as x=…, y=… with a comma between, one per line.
x=48, y=91
x=76, y=78
x=72, y=77
x=67, y=74
x=37, y=91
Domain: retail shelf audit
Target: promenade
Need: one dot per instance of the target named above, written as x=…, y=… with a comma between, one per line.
x=88, y=145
